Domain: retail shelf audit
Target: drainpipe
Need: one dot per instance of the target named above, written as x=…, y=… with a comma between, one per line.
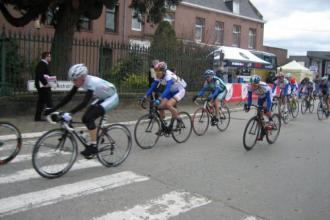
x=124, y=21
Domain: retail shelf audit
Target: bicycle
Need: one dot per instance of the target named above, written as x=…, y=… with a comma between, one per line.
x=10, y=142
x=293, y=106
x=307, y=103
x=203, y=115
x=283, y=110
x=114, y=143
x=151, y=126
x=322, y=109
x=257, y=130
x=275, y=104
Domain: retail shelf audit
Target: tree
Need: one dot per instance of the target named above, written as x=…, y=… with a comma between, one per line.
x=66, y=16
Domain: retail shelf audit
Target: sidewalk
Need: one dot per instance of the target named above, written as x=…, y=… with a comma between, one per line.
x=123, y=113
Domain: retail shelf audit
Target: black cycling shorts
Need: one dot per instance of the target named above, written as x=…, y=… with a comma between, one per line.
x=92, y=113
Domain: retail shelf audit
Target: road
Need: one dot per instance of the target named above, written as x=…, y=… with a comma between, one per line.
x=208, y=177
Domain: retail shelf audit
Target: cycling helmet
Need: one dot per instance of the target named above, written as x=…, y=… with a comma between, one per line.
x=208, y=73
x=161, y=66
x=255, y=79
x=77, y=70
x=293, y=81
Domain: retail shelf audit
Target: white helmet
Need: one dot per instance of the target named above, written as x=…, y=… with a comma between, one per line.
x=77, y=70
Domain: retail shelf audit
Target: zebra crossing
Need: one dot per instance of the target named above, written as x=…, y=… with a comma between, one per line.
x=168, y=204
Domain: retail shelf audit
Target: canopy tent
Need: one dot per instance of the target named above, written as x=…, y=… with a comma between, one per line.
x=296, y=70
x=234, y=56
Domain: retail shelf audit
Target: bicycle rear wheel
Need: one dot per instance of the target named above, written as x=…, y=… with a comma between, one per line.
x=10, y=142
x=146, y=131
x=182, y=131
x=200, y=121
x=320, y=111
x=224, y=118
x=311, y=105
x=272, y=135
x=251, y=133
x=114, y=145
x=54, y=153
x=294, y=105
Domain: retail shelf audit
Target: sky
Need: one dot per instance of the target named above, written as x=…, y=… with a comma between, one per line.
x=296, y=25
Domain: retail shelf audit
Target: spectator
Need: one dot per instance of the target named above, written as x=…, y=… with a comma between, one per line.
x=42, y=85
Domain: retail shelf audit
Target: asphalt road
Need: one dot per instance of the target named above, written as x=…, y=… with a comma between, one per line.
x=208, y=177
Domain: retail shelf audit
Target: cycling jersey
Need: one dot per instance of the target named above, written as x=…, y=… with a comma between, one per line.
x=325, y=87
x=264, y=94
x=174, y=86
x=217, y=88
x=293, y=88
x=283, y=85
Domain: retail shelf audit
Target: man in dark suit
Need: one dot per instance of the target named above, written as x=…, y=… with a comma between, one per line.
x=43, y=87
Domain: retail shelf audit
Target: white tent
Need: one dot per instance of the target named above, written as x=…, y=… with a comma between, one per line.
x=296, y=69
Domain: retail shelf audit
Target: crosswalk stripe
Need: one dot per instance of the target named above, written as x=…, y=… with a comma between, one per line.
x=53, y=195
x=28, y=174
x=164, y=207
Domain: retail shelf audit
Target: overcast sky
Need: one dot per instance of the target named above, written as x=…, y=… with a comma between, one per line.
x=296, y=25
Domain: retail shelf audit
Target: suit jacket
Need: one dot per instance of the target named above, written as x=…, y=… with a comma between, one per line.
x=41, y=69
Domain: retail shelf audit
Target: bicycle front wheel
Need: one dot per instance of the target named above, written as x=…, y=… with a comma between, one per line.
x=182, y=130
x=200, y=121
x=54, y=153
x=321, y=111
x=304, y=106
x=284, y=114
x=251, y=133
x=311, y=105
x=10, y=142
x=147, y=131
x=294, y=108
x=272, y=135
x=114, y=145
x=224, y=118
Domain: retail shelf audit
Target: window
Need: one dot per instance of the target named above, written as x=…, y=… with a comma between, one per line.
x=85, y=24
x=236, y=6
x=169, y=18
x=252, y=38
x=136, y=23
x=199, y=29
x=236, y=36
x=219, y=32
x=170, y=8
x=111, y=18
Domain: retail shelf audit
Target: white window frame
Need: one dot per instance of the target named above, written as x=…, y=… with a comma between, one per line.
x=219, y=32
x=135, y=21
x=237, y=32
x=236, y=6
x=252, y=43
x=199, y=28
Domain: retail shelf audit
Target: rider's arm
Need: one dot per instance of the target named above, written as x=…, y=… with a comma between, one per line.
x=249, y=98
x=202, y=91
x=84, y=103
x=215, y=93
x=167, y=88
x=268, y=101
x=152, y=87
x=286, y=89
x=67, y=98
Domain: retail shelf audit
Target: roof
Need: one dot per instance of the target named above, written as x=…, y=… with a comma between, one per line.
x=247, y=9
x=294, y=66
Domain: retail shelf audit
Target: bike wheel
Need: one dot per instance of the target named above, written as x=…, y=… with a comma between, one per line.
x=320, y=111
x=182, y=131
x=284, y=114
x=311, y=105
x=114, y=145
x=200, y=121
x=251, y=133
x=10, y=142
x=304, y=106
x=146, y=131
x=272, y=135
x=54, y=153
x=294, y=108
x=274, y=107
x=224, y=118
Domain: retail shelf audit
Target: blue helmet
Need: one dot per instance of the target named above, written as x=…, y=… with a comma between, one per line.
x=255, y=79
x=209, y=73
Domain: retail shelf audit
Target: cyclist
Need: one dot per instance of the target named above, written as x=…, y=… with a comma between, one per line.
x=263, y=91
x=105, y=98
x=293, y=87
x=283, y=84
x=174, y=91
x=306, y=87
x=325, y=91
x=218, y=91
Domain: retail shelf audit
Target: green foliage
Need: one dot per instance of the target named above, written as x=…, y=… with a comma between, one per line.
x=135, y=82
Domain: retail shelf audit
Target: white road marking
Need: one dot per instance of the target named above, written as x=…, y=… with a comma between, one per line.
x=251, y=218
x=164, y=207
x=57, y=194
x=28, y=174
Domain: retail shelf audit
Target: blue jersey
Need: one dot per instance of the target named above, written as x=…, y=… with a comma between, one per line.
x=283, y=85
x=216, y=86
x=263, y=92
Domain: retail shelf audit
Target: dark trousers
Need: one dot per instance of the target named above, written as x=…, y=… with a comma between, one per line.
x=44, y=99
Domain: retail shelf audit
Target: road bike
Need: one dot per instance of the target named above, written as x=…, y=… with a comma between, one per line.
x=256, y=129
x=307, y=103
x=150, y=127
x=114, y=143
x=322, y=109
x=293, y=106
x=10, y=142
x=206, y=115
